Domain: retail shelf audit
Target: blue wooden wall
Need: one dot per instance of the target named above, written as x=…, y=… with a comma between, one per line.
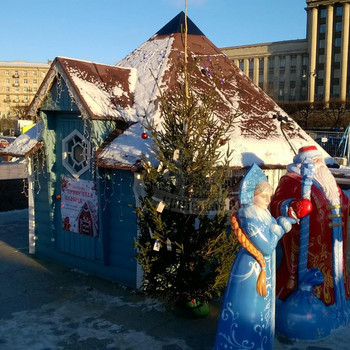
x=119, y=223
x=111, y=254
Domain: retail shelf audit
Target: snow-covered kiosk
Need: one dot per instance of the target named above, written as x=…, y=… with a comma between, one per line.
x=83, y=181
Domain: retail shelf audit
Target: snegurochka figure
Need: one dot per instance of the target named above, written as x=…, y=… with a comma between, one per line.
x=247, y=318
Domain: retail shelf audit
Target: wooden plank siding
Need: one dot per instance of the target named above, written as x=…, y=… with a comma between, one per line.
x=111, y=254
x=120, y=223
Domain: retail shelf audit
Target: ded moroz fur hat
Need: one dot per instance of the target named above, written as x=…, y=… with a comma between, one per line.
x=306, y=152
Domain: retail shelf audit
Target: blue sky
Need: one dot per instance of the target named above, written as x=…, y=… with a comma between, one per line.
x=105, y=31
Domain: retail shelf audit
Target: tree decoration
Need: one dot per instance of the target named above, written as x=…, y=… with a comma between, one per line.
x=144, y=135
x=189, y=253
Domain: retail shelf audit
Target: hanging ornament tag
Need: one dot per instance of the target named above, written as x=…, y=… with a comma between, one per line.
x=156, y=246
x=150, y=232
x=168, y=245
x=160, y=167
x=176, y=154
x=160, y=207
x=227, y=204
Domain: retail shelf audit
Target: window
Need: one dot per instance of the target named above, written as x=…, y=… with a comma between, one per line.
x=25, y=73
x=335, y=90
x=7, y=98
x=337, y=42
x=320, y=91
x=34, y=73
x=337, y=57
x=323, y=13
x=251, y=68
x=292, y=93
x=321, y=59
x=293, y=61
x=281, y=91
x=282, y=62
x=322, y=28
x=25, y=89
x=339, y=11
x=25, y=81
x=336, y=73
x=261, y=63
x=241, y=65
x=42, y=74
x=261, y=79
x=7, y=81
x=76, y=153
x=7, y=73
x=35, y=81
x=338, y=27
x=35, y=89
x=305, y=61
x=321, y=44
x=7, y=89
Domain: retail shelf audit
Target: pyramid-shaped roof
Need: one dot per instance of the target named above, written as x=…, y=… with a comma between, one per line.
x=258, y=137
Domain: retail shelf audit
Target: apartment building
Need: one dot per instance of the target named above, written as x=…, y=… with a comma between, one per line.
x=311, y=69
x=19, y=81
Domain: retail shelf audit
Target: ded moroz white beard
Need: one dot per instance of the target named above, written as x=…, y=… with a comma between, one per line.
x=326, y=180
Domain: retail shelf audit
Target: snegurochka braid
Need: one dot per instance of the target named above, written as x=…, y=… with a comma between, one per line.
x=247, y=244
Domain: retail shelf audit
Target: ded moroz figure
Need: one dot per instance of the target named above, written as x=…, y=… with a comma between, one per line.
x=313, y=287
x=247, y=314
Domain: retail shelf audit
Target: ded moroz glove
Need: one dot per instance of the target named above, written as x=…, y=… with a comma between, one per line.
x=299, y=209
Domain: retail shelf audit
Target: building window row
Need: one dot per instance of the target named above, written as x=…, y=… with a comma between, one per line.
x=17, y=99
x=18, y=81
x=16, y=73
x=18, y=90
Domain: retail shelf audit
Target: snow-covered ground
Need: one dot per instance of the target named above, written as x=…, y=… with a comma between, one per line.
x=47, y=306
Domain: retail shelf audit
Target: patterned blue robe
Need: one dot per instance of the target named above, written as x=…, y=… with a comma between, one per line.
x=247, y=320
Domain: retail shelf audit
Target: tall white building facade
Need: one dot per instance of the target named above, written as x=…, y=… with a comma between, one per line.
x=312, y=69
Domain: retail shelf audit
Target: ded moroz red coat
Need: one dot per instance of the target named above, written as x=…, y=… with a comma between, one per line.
x=320, y=249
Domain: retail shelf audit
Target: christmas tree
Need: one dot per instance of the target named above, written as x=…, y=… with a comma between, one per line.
x=185, y=246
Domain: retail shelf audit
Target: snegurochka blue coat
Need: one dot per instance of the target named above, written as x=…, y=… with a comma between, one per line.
x=247, y=320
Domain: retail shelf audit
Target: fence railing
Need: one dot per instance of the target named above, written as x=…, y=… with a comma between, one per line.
x=333, y=142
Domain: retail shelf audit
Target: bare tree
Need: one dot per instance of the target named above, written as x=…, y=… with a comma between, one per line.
x=20, y=111
x=337, y=113
x=300, y=111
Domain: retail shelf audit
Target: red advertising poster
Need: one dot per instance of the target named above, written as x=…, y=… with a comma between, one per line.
x=79, y=206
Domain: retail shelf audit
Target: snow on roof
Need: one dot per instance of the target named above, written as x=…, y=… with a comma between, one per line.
x=106, y=91
x=129, y=149
x=257, y=136
x=150, y=61
x=129, y=92
x=26, y=143
x=100, y=91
